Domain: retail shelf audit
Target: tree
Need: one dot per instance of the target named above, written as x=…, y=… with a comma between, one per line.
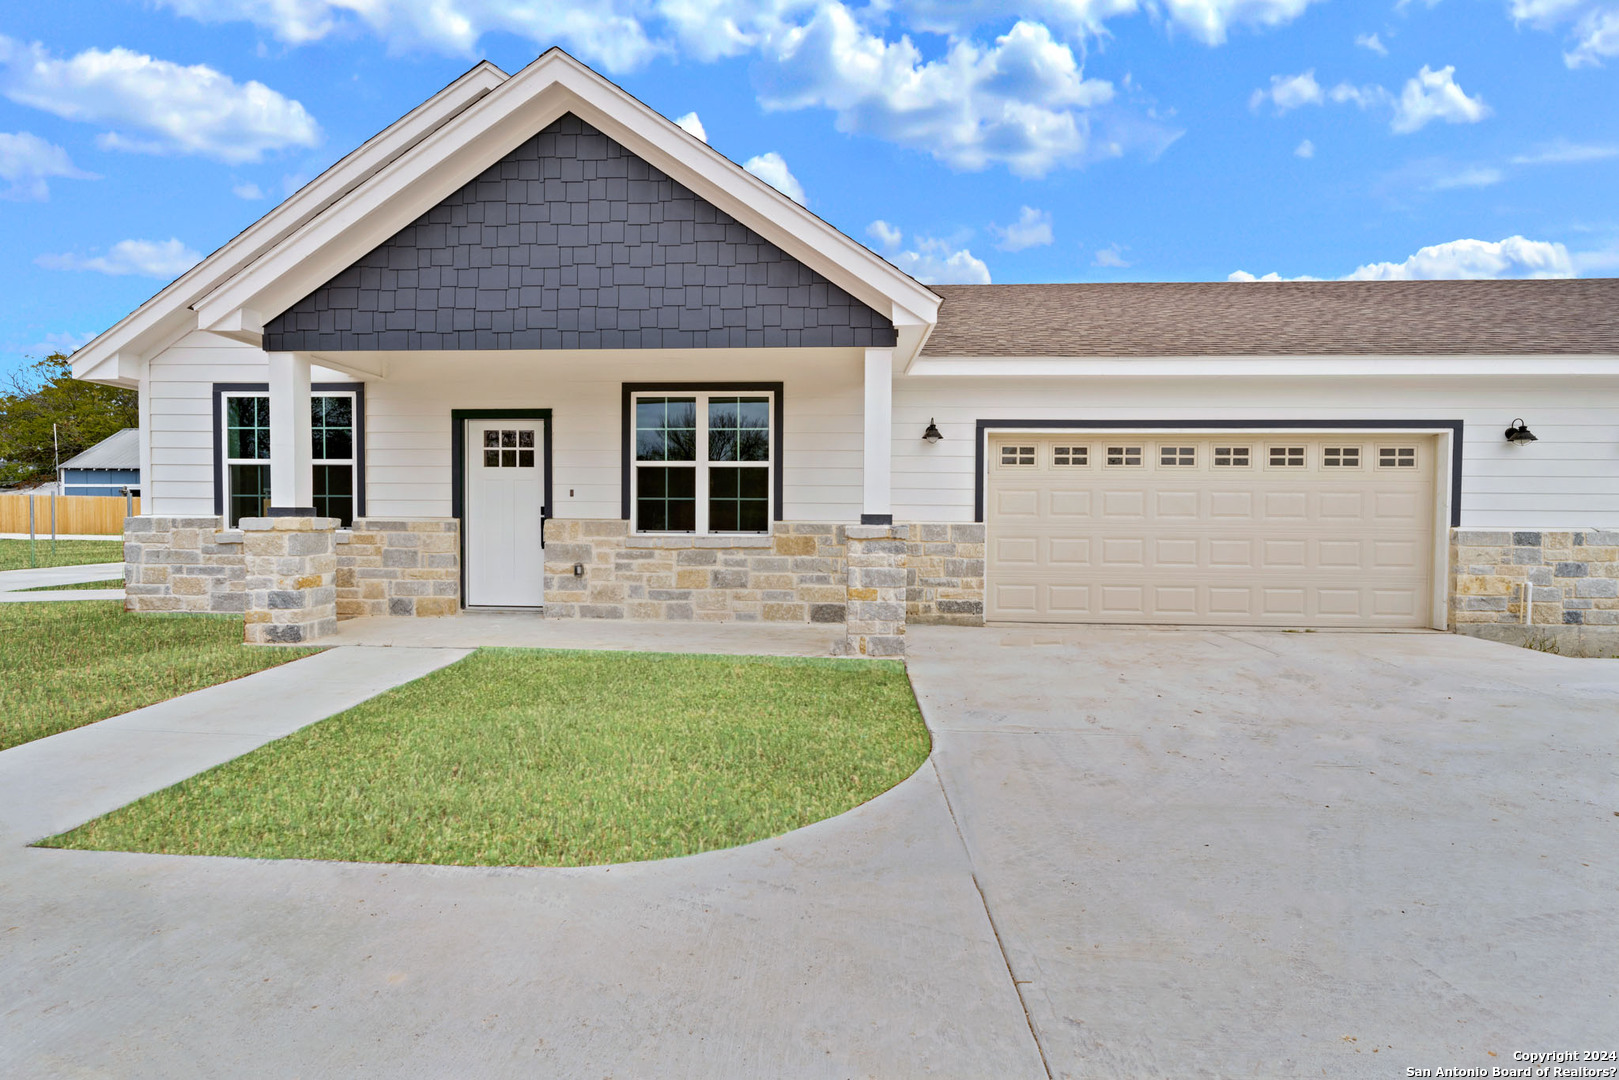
x=46, y=393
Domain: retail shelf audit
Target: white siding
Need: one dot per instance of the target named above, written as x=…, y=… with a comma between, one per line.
x=1569, y=479
x=180, y=417
x=408, y=422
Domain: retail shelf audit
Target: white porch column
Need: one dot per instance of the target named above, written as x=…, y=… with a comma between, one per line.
x=292, y=480
x=877, y=506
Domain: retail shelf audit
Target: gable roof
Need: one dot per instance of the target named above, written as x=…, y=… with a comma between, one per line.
x=120, y=450
x=114, y=356
x=236, y=300
x=1293, y=318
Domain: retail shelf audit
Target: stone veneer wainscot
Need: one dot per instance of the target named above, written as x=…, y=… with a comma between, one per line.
x=1569, y=580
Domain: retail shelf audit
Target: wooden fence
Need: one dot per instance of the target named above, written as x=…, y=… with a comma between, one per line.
x=94, y=515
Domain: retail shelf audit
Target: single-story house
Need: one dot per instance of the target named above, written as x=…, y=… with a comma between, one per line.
x=110, y=467
x=535, y=346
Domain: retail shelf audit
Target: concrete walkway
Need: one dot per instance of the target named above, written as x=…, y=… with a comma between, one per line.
x=520, y=629
x=40, y=577
x=51, y=785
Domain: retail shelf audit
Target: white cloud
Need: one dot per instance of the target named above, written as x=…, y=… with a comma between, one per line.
x=886, y=235
x=1372, y=42
x=1433, y=95
x=1031, y=229
x=692, y=126
x=1563, y=152
x=1023, y=102
x=156, y=106
x=1111, y=256
x=610, y=32
x=1469, y=176
x=1428, y=96
x=1593, y=25
x=250, y=192
x=931, y=261
x=149, y=258
x=1305, y=149
x=1210, y=19
x=1289, y=92
x=27, y=162
x=1597, y=35
x=1514, y=257
x=65, y=343
x=773, y=170
x=1243, y=275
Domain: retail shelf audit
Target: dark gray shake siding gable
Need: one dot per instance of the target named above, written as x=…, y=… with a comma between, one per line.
x=572, y=242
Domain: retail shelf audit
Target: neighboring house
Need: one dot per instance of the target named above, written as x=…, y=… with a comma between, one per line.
x=538, y=346
x=110, y=467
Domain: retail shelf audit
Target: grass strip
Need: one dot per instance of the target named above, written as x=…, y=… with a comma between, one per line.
x=547, y=758
x=14, y=553
x=64, y=665
x=105, y=583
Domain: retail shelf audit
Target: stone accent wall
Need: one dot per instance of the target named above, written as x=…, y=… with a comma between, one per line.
x=794, y=575
x=183, y=564
x=388, y=566
x=291, y=578
x=876, y=589
x=1569, y=580
x=945, y=574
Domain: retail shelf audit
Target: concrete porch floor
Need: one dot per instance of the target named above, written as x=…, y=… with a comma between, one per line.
x=532, y=630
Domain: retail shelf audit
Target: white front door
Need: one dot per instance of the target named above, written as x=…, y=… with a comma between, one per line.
x=505, y=506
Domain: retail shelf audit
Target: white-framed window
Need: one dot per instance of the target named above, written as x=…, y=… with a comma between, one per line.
x=1125, y=456
x=1287, y=457
x=1178, y=457
x=245, y=418
x=1396, y=457
x=1014, y=455
x=704, y=462
x=1231, y=457
x=1340, y=457
x=1071, y=457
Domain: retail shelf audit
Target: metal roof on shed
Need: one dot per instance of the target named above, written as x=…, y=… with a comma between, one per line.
x=120, y=450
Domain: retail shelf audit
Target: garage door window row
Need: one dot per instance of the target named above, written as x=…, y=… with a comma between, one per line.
x=1181, y=456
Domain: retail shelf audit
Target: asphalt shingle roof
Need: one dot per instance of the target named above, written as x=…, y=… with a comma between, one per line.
x=1313, y=318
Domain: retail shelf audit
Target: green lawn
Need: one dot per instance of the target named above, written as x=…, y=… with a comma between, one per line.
x=14, y=553
x=64, y=665
x=105, y=583
x=527, y=758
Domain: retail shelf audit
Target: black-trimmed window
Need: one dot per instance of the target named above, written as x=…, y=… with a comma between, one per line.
x=245, y=416
x=703, y=461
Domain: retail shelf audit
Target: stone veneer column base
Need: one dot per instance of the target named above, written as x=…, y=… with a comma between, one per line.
x=291, y=578
x=1554, y=590
x=876, y=589
x=392, y=566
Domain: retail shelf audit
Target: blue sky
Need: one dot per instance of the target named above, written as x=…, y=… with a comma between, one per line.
x=1059, y=140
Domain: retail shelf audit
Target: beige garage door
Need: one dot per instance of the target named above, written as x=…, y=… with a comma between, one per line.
x=1291, y=530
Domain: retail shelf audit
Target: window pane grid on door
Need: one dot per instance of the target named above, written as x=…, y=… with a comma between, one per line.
x=1128, y=456
x=1287, y=457
x=1017, y=456
x=1071, y=456
x=1231, y=457
x=1340, y=457
x=1397, y=457
x=1177, y=456
x=508, y=448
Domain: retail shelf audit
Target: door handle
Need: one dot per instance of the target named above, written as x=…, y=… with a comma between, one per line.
x=544, y=517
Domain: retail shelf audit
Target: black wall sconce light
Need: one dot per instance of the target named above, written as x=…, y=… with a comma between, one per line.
x=932, y=434
x=1519, y=432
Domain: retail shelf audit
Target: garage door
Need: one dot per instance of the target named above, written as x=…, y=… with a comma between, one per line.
x=1333, y=530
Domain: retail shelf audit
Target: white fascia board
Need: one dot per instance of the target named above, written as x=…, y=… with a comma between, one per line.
x=365, y=366
x=487, y=131
x=168, y=315
x=1265, y=366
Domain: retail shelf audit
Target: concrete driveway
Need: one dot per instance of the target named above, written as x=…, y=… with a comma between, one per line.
x=1276, y=854
x=1133, y=853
